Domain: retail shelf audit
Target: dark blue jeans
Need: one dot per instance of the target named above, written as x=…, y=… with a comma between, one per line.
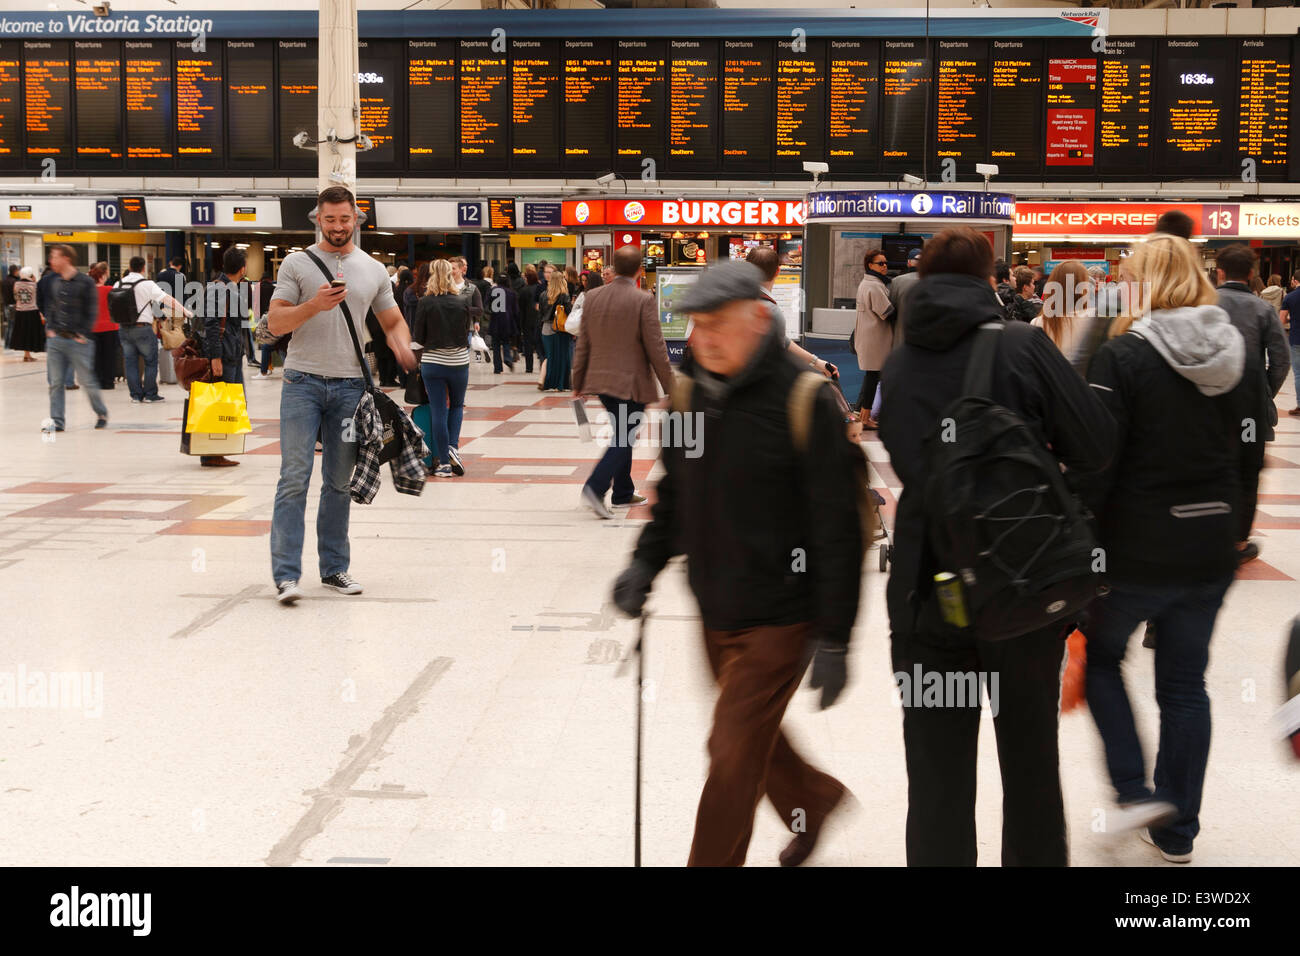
x=140, y=340
x=1184, y=618
x=615, y=466
x=446, y=385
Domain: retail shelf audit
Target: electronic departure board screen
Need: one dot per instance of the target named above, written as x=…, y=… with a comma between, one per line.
x=380, y=64
x=501, y=214
x=250, y=92
x=297, y=95
x=692, y=105
x=47, y=101
x=747, y=90
x=200, y=105
x=484, y=106
x=132, y=212
x=535, y=76
x=800, y=105
x=1071, y=129
x=1016, y=92
x=1124, y=116
x=11, y=85
x=961, y=97
x=1264, y=99
x=640, y=103
x=366, y=207
x=97, y=72
x=905, y=100
x=853, y=126
x=150, y=104
x=431, y=104
x=588, y=140
x=1197, y=78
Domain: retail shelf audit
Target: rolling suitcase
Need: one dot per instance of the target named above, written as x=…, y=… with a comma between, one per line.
x=166, y=367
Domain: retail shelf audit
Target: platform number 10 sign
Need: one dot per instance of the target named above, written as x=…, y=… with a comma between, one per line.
x=106, y=212
x=202, y=213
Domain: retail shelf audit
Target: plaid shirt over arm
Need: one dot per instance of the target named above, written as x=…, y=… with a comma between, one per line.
x=409, y=475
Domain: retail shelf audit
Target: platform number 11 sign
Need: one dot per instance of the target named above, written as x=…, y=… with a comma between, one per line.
x=202, y=213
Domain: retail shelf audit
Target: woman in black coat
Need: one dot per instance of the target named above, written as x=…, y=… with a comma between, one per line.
x=503, y=305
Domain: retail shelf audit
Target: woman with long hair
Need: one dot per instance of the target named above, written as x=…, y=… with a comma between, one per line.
x=557, y=345
x=531, y=318
x=1069, y=315
x=441, y=326
x=28, y=335
x=1166, y=509
x=104, y=332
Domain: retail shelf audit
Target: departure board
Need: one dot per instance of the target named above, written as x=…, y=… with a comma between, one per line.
x=250, y=92
x=905, y=99
x=639, y=107
x=588, y=139
x=11, y=84
x=501, y=214
x=1197, y=79
x=47, y=100
x=133, y=212
x=1071, y=130
x=853, y=126
x=97, y=83
x=535, y=76
x=800, y=104
x=297, y=94
x=1124, y=116
x=379, y=78
x=746, y=106
x=692, y=105
x=1264, y=102
x=484, y=106
x=431, y=104
x=150, y=104
x=961, y=97
x=1016, y=92
x=200, y=119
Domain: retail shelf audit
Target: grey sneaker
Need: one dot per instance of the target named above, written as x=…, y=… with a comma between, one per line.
x=1139, y=816
x=342, y=583
x=289, y=592
x=153, y=400
x=631, y=502
x=596, y=503
x=457, y=466
x=443, y=471
x=1171, y=857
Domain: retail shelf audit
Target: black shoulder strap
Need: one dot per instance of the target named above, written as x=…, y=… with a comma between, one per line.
x=347, y=315
x=978, y=382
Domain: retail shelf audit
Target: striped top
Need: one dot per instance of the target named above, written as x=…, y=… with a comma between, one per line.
x=445, y=356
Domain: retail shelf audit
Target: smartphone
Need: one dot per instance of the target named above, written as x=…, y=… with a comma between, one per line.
x=338, y=284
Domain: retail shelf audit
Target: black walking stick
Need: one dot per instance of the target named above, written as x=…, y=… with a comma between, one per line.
x=636, y=651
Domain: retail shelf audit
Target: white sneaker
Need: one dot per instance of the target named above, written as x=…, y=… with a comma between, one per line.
x=596, y=503
x=289, y=592
x=457, y=466
x=1145, y=834
x=1139, y=816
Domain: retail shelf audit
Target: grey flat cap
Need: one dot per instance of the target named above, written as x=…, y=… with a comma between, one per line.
x=720, y=284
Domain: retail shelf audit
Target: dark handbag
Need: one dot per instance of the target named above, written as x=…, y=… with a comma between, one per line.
x=192, y=365
x=416, y=393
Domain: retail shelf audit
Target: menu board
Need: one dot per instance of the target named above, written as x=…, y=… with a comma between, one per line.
x=379, y=79
x=639, y=107
x=588, y=139
x=1016, y=90
x=431, y=104
x=484, y=106
x=1197, y=77
x=250, y=92
x=1264, y=101
x=200, y=119
x=746, y=106
x=693, y=105
x=800, y=104
x=150, y=104
x=535, y=70
x=98, y=87
x=47, y=100
x=11, y=84
x=961, y=96
x=1071, y=110
x=297, y=94
x=905, y=98
x=1125, y=118
x=854, y=124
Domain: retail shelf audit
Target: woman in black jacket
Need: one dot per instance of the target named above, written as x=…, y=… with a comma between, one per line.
x=558, y=346
x=1167, y=512
x=530, y=320
x=441, y=326
x=503, y=305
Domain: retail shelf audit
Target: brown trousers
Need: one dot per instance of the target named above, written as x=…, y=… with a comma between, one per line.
x=757, y=670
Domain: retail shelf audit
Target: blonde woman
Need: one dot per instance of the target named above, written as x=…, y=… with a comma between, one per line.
x=1069, y=315
x=1166, y=508
x=557, y=346
x=441, y=325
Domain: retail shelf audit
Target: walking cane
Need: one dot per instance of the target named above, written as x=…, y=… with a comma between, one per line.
x=622, y=668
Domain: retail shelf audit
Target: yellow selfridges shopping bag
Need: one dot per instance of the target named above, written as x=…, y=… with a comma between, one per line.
x=218, y=408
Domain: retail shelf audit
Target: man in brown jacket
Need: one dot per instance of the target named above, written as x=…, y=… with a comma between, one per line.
x=619, y=355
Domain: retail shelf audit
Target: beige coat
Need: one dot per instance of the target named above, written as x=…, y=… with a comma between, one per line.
x=873, y=337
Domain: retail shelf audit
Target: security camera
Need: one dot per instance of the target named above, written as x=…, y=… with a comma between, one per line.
x=817, y=169
x=913, y=180
x=606, y=179
x=102, y=9
x=986, y=169
x=301, y=139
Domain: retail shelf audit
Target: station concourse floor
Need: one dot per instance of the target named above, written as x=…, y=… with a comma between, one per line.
x=466, y=710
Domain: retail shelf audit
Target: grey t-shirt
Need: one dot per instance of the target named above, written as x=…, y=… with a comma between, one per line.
x=321, y=345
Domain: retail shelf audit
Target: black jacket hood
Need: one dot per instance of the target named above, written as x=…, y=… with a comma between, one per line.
x=944, y=307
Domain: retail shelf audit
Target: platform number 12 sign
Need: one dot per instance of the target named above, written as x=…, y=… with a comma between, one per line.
x=469, y=214
x=202, y=213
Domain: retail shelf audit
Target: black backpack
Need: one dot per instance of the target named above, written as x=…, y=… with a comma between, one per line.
x=121, y=304
x=1000, y=517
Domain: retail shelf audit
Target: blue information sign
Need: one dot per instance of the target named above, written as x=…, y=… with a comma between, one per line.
x=107, y=212
x=203, y=213
x=469, y=214
x=928, y=204
x=542, y=215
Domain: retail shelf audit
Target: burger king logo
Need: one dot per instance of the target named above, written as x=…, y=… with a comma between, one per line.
x=634, y=211
x=582, y=212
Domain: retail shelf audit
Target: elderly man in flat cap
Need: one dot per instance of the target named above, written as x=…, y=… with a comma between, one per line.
x=765, y=506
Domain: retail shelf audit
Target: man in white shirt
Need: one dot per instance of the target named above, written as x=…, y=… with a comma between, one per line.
x=141, y=339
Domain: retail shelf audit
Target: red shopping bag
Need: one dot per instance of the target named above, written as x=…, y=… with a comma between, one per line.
x=1072, y=685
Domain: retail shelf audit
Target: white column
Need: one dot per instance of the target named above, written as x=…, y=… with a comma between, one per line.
x=338, y=95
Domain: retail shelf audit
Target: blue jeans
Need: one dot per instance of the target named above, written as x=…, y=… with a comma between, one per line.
x=446, y=385
x=62, y=355
x=311, y=405
x=140, y=339
x=1295, y=366
x=615, y=466
x=1184, y=619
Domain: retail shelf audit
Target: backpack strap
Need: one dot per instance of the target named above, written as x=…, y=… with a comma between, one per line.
x=978, y=381
x=799, y=407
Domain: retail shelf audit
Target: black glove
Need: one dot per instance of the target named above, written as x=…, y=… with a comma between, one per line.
x=829, y=670
x=632, y=587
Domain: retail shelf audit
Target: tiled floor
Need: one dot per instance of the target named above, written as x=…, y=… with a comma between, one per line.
x=467, y=708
